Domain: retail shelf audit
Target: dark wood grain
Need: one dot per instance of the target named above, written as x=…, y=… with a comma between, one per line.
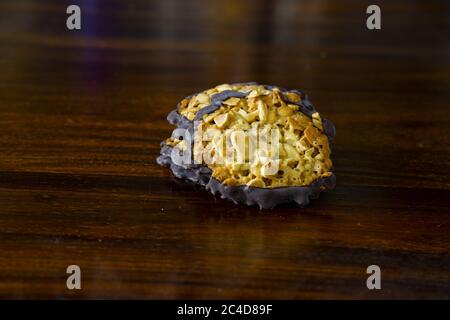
x=82, y=114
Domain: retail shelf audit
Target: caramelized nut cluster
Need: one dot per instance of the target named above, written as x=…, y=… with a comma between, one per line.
x=298, y=148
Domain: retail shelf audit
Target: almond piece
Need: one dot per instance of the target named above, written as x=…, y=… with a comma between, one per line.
x=311, y=134
x=202, y=98
x=222, y=120
x=262, y=111
x=256, y=182
x=285, y=111
x=232, y=101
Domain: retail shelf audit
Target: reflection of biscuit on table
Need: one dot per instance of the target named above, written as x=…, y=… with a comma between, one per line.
x=251, y=143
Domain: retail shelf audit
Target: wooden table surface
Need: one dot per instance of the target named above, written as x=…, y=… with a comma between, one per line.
x=82, y=114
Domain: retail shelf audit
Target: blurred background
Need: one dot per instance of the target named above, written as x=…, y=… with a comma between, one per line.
x=316, y=45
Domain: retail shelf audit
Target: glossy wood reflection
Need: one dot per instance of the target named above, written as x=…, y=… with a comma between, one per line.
x=82, y=114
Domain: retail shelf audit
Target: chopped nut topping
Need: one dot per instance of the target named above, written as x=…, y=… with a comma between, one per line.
x=303, y=152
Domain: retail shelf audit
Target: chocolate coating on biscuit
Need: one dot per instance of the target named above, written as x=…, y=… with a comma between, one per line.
x=178, y=120
x=264, y=198
x=270, y=198
x=196, y=173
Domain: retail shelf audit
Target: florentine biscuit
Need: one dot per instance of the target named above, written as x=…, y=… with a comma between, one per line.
x=252, y=144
